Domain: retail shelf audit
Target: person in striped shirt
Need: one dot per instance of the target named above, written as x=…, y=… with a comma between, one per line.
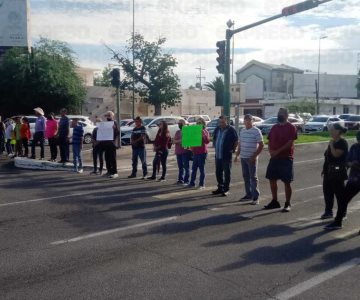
x=250, y=146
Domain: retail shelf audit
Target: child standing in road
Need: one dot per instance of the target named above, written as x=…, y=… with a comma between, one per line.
x=25, y=135
x=77, y=140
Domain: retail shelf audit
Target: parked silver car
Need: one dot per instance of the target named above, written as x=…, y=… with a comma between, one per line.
x=321, y=123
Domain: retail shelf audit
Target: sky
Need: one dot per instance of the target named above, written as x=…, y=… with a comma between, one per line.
x=192, y=28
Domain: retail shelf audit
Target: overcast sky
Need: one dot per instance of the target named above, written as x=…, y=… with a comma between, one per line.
x=192, y=28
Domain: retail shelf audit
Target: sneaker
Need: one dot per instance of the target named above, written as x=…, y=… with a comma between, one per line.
x=255, y=202
x=326, y=215
x=161, y=179
x=151, y=178
x=273, y=205
x=179, y=182
x=132, y=176
x=42, y=158
x=94, y=173
x=113, y=176
x=217, y=192
x=333, y=226
x=185, y=184
x=191, y=186
x=225, y=193
x=245, y=198
x=80, y=171
x=287, y=207
x=201, y=187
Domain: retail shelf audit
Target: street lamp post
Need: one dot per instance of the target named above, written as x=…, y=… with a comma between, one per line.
x=318, y=77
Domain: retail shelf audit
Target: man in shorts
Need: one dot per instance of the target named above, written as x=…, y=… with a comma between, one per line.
x=281, y=147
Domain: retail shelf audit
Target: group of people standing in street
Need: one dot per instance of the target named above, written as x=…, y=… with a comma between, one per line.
x=247, y=147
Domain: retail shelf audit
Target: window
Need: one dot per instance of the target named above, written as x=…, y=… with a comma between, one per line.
x=346, y=109
x=334, y=110
x=170, y=121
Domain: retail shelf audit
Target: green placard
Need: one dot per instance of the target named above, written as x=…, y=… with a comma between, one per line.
x=192, y=136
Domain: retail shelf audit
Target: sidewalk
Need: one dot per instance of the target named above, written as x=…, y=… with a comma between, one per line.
x=123, y=161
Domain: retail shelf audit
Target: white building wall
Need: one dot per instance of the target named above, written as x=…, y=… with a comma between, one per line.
x=331, y=86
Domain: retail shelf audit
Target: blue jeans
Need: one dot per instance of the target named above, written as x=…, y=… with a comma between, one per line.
x=136, y=154
x=77, y=157
x=249, y=171
x=223, y=174
x=183, y=161
x=198, y=163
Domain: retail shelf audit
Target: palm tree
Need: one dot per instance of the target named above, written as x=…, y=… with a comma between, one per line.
x=217, y=85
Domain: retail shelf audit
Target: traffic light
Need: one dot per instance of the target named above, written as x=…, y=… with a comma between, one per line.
x=302, y=6
x=221, y=59
x=115, y=77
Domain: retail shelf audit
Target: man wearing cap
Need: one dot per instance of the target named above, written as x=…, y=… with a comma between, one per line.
x=281, y=148
x=39, y=135
x=250, y=146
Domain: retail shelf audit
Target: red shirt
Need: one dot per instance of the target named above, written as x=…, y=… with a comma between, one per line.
x=279, y=135
x=162, y=141
x=204, y=147
x=25, y=131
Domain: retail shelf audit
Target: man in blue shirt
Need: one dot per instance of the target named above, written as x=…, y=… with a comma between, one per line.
x=63, y=136
x=39, y=135
x=77, y=140
x=225, y=143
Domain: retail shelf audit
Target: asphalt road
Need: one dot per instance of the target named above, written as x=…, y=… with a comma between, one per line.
x=76, y=236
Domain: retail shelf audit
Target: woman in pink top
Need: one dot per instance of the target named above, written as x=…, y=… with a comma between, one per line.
x=200, y=154
x=51, y=131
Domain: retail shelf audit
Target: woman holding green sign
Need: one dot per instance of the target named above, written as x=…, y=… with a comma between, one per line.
x=200, y=154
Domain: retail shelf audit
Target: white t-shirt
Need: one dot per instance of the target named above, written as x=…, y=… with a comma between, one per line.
x=249, y=140
x=8, y=131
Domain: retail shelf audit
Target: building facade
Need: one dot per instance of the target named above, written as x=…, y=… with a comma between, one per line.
x=269, y=87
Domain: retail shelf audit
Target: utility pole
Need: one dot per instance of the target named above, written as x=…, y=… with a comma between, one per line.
x=133, y=62
x=287, y=11
x=200, y=78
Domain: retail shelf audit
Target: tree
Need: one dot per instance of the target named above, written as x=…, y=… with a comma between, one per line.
x=47, y=78
x=104, y=79
x=153, y=74
x=217, y=85
x=303, y=106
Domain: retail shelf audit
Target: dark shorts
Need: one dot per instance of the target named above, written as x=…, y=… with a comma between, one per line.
x=280, y=169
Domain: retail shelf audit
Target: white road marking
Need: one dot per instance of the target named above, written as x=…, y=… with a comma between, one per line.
x=42, y=199
x=225, y=205
x=307, y=161
x=347, y=234
x=111, y=231
x=317, y=280
x=189, y=191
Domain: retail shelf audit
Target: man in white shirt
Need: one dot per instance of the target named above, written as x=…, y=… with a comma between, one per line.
x=250, y=146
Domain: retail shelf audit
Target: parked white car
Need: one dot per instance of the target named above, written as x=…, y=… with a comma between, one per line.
x=152, y=126
x=88, y=129
x=192, y=119
x=321, y=123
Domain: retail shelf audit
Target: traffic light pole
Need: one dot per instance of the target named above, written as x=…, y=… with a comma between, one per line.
x=230, y=33
x=118, y=118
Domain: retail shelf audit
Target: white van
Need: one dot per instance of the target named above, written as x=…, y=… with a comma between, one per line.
x=152, y=126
